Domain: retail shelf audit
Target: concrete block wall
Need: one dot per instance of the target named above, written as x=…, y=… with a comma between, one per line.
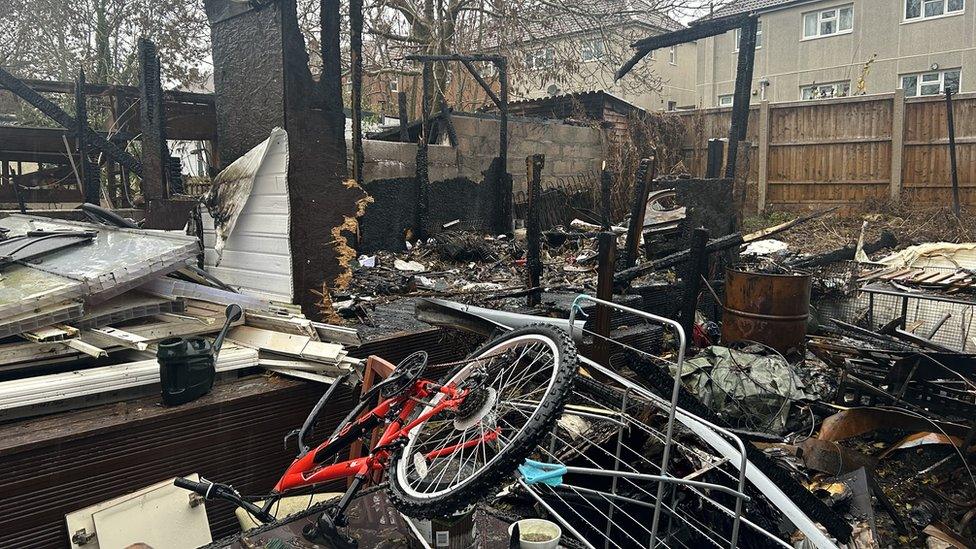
x=573, y=152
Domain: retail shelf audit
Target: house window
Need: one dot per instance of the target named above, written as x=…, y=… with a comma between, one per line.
x=673, y=55
x=542, y=58
x=394, y=85
x=825, y=91
x=738, y=37
x=930, y=83
x=592, y=50
x=725, y=100
x=924, y=9
x=672, y=106
x=821, y=23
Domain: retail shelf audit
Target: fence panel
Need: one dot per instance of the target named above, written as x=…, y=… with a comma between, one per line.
x=839, y=151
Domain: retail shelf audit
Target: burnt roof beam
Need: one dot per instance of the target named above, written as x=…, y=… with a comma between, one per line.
x=696, y=31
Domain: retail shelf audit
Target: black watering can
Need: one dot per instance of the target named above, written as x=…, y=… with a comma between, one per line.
x=187, y=365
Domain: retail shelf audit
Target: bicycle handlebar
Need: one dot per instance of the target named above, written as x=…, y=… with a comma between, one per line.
x=213, y=490
x=202, y=488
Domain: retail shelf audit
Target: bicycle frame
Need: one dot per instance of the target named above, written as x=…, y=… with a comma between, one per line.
x=307, y=470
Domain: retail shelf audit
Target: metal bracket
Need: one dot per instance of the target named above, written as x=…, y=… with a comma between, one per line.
x=82, y=537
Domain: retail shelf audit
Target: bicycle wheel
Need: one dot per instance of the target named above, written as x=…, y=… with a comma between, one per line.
x=519, y=383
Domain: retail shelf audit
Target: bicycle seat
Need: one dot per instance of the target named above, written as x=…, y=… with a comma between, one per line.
x=406, y=373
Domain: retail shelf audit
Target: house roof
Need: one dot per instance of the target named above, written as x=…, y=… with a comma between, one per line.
x=591, y=15
x=735, y=7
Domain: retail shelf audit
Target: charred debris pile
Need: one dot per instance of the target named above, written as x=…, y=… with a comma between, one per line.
x=848, y=367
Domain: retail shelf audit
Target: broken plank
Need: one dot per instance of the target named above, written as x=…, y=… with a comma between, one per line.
x=121, y=337
x=287, y=344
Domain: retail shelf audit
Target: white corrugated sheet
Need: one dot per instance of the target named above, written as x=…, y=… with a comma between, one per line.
x=256, y=256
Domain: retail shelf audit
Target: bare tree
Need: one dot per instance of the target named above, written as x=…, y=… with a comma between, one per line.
x=54, y=39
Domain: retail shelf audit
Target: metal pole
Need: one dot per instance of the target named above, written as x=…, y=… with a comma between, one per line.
x=952, y=152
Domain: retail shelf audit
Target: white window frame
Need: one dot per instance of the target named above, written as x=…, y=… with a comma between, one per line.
x=759, y=36
x=586, y=47
x=824, y=85
x=921, y=14
x=547, y=54
x=394, y=85
x=673, y=55
x=821, y=19
x=729, y=96
x=918, y=81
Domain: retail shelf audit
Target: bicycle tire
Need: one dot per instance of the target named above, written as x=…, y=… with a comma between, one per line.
x=507, y=460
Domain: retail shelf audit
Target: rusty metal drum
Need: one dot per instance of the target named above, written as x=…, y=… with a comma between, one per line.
x=769, y=308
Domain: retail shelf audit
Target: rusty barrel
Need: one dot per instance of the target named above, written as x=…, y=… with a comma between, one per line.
x=768, y=308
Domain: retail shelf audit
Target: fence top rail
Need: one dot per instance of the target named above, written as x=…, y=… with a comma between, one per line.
x=874, y=97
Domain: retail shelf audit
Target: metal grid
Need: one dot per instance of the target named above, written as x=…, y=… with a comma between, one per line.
x=948, y=323
x=612, y=493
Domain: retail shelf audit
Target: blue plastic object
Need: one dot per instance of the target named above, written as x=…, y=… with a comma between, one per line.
x=535, y=472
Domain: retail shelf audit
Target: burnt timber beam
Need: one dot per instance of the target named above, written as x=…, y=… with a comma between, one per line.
x=356, y=59
x=743, y=91
x=696, y=31
x=533, y=226
x=155, y=155
x=456, y=57
x=56, y=86
x=481, y=82
x=642, y=187
x=90, y=179
x=422, y=179
x=65, y=120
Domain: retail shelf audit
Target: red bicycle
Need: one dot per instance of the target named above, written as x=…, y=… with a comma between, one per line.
x=445, y=444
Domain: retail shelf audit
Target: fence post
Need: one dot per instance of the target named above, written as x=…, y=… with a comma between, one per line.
x=763, y=155
x=897, y=142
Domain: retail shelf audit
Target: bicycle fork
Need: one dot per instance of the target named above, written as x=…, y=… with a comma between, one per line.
x=326, y=528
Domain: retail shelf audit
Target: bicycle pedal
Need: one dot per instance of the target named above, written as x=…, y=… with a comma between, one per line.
x=325, y=532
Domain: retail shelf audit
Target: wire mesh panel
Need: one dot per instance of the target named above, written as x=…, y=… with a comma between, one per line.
x=943, y=316
x=627, y=468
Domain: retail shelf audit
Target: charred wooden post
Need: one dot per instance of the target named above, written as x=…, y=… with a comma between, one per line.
x=533, y=225
x=607, y=249
x=356, y=59
x=503, y=196
x=743, y=91
x=404, y=117
x=953, y=171
x=446, y=123
x=154, y=153
x=714, y=158
x=697, y=268
x=331, y=80
x=90, y=180
x=606, y=206
x=422, y=180
x=646, y=171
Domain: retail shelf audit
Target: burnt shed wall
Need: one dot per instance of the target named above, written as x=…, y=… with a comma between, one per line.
x=573, y=151
x=394, y=208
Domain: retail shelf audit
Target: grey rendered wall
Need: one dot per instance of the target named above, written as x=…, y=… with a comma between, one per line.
x=879, y=32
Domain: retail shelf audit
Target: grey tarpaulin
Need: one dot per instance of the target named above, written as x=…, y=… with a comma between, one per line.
x=753, y=391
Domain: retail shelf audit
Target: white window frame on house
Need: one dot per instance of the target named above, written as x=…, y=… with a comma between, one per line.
x=827, y=90
x=541, y=58
x=394, y=85
x=673, y=55
x=759, y=36
x=925, y=82
x=824, y=16
x=726, y=100
x=592, y=49
x=948, y=8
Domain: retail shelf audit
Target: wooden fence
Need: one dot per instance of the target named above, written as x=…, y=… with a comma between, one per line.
x=847, y=151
